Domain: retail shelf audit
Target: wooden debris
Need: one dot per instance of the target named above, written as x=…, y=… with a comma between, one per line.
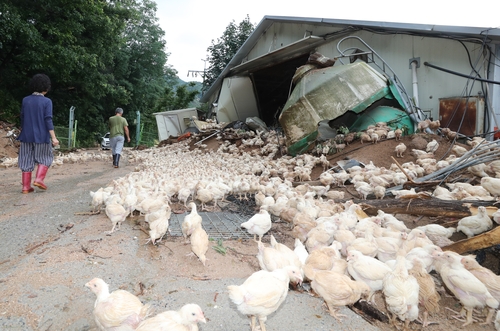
x=369, y=312
x=425, y=206
x=417, y=206
x=33, y=247
x=481, y=241
x=141, y=289
x=88, y=213
x=203, y=277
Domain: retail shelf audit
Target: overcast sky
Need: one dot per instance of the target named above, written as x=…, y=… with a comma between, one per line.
x=191, y=25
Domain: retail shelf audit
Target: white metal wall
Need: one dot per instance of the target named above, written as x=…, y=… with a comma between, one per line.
x=397, y=50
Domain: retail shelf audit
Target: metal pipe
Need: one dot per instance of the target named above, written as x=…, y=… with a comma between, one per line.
x=461, y=75
x=414, y=82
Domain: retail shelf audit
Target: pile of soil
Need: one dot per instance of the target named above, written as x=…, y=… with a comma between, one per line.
x=9, y=146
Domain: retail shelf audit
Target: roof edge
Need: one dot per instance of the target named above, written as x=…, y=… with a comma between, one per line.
x=424, y=29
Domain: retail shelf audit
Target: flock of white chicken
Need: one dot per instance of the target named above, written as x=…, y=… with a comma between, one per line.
x=61, y=158
x=344, y=254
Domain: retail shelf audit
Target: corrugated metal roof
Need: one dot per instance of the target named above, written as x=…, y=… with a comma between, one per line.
x=431, y=30
x=284, y=53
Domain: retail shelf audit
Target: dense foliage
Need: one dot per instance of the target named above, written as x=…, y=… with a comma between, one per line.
x=223, y=50
x=99, y=55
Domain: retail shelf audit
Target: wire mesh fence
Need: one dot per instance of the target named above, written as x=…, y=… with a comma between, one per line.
x=218, y=225
x=148, y=135
x=62, y=134
x=148, y=138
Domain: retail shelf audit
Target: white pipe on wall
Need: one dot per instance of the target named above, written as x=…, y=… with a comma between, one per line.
x=414, y=82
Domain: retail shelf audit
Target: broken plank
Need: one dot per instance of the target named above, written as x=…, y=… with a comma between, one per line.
x=369, y=312
x=421, y=207
x=481, y=241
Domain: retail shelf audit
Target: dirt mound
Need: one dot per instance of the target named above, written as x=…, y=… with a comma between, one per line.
x=9, y=146
x=382, y=152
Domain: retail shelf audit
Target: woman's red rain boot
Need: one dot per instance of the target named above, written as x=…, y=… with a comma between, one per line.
x=27, y=183
x=41, y=171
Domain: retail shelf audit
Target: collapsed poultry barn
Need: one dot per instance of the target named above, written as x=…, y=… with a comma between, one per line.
x=353, y=96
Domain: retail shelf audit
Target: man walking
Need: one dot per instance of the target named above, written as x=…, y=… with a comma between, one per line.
x=118, y=129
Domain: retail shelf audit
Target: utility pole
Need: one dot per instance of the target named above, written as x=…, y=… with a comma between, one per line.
x=195, y=73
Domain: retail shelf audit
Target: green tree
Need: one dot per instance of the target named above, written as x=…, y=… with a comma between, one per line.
x=71, y=43
x=223, y=50
x=98, y=54
x=178, y=97
x=139, y=66
x=140, y=62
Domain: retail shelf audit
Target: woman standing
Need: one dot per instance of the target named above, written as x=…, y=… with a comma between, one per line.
x=37, y=134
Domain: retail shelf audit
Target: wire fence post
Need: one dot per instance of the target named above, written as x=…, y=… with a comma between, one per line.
x=74, y=134
x=138, y=128
x=70, y=126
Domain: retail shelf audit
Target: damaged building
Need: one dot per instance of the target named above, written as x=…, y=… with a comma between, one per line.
x=303, y=74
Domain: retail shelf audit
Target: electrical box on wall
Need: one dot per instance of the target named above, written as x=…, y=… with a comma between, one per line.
x=462, y=114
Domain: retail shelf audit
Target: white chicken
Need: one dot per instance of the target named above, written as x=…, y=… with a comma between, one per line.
x=437, y=230
x=425, y=255
x=341, y=177
x=263, y=293
x=364, y=189
x=432, y=146
x=199, y=243
x=271, y=259
x=300, y=250
x=475, y=190
x=416, y=238
x=475, y=224
x=292, y=257
x=485, y=275
x=336, y=289
x=98, y=198
x=422, y=125
x=150, y=204
x=388, y=247
x=367, y=269
x=469, y=290
x=119, y=310
x=492, y=185
x=479, y=170
x=400, y=149
x=185, y=319
x=428, y=296
x=459, y=150
x=379, y=191
x=496, y=216
x=389, y=221
x=401, y=293
x=117, y=214
x=184, y=194
x=259, y=224
x=191, y=221
x=320, y=236
x=442, y=193
x=398, y=133
x=158, y=227
x=204, y=195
